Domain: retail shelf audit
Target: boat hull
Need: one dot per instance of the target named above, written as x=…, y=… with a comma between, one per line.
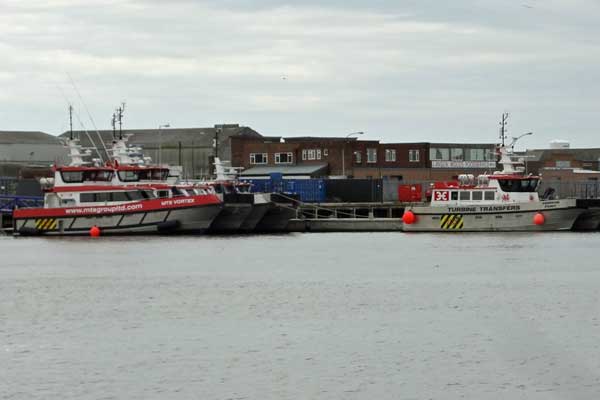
x=178, y=215
x=558, y=215
x=231, y=218
x=276, y=219
x=255, y=216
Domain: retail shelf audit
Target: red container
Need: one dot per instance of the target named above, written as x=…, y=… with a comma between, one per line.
x=410, y=193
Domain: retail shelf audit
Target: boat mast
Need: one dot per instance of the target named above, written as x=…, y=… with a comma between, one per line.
x=113, y=122
x=71, y=122
x=503, y=123
x=120, y=112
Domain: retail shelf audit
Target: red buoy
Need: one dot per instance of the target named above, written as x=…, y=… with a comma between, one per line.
x=94, y=231
x=409, y=217
x=539, y=219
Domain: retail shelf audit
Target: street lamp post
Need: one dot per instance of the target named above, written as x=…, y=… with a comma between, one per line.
x=160, y=142
x=344, y=150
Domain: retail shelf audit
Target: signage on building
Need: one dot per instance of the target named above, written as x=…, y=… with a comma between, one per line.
x=463, y=164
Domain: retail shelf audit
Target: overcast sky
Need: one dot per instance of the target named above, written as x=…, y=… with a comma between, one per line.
x=398, y=70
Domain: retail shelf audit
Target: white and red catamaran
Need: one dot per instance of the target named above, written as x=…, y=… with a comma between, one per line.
x=506, y=200
x=116, y=199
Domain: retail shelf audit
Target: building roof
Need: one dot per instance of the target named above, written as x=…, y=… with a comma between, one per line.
x=318, y=139
x=591, y=154
x=165, y=136
x=28, y=137
x=304, y=169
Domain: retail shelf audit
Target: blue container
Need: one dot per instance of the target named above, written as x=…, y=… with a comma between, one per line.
x=309, y=190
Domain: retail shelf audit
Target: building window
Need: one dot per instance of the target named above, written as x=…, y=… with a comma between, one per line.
x=390, y=155
x=476, y=155
x=563, y=164
x=284, y=158
x=358, y=157
x=318, y=154
x=312, y=154
x=457, y=154
x=258, y=158
x=439, y=154
x=371, y=156
x=413, y=155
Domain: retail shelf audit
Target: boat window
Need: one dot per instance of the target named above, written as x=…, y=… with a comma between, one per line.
x=465, y=195
x=119, y=196
x=148, y=194
x=135, y=195
x=87, y=197
x=160, y=174
x=489, y=195
x=218, y=188
x=477, y=195
x=163, y=193
x=518, y=185
x=227, y=189
x=102, y=197
x=72, y=176
x=177, y=192
x=129, y=176
x=453, y=195
x=97, y=176
x=201, y=191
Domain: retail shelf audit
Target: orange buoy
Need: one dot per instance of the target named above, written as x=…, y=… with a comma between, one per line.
x=94, y=231
x=539, y=219
x=409, y=217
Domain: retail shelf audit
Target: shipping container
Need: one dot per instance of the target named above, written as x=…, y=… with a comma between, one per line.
x=354, y=190
x=410, y=193
x=390, y=189
x=305, y=190
x=308, y=190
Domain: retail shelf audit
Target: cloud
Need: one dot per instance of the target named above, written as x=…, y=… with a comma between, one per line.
x=389, y=66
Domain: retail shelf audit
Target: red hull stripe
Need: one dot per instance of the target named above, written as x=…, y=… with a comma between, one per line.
x=125, y=208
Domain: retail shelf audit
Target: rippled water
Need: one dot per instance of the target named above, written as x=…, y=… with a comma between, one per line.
x=306, y=316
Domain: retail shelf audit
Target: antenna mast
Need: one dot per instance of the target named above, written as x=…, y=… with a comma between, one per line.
x=503, y=123
x=71, y=121
x=120, y=112
x=113, y=122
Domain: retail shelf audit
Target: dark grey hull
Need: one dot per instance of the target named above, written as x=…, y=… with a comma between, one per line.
x=256, y=215
x=276, y=219
x=231, y=218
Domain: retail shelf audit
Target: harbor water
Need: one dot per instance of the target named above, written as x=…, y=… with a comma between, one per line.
x=301, y=316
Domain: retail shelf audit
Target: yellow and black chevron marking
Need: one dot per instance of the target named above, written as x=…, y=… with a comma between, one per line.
x=451, y=221
x=46, y=224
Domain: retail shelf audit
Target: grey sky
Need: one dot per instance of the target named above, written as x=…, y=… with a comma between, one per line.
x=398, y=70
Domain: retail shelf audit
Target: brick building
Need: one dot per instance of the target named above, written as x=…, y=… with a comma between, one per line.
x=350, y=157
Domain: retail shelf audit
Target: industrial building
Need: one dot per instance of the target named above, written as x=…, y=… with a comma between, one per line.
x=192, y=148
x=354, y=158
x=27, y=155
